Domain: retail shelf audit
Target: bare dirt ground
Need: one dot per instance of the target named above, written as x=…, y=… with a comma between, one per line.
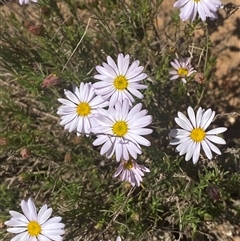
x=226, y=46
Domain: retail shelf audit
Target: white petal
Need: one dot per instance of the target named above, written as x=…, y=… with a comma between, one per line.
x=207, y=118
x=123, y=63
x=134, y=149
x=32, y=211
x=54, y=232
x=17, y=230
x=44, y=214
x=71, y=96
x=183, y=124
x=67, y=102
x=105, y=71
x=43, y=238
x=206, y=149
x=216, y=139
x=100, y=140
x=113, y=65
x=201, y=11
x=108, y=147
x=136, y=93
x=199, y=117
x=179, y=133
x=196, y=153
x=53, y=220
x=52, y=226
x=213, y=147
x=183, y=147
x=190, y=151
x=119, y=153
x=21, y=237
x=180, y=3
x=16, y=223
x=19, y=217
x=185, y=119
x=191, y=115
x=138, y=139
x=133, y=69
x=174, y=77
x=118, y=238
x=216, y=131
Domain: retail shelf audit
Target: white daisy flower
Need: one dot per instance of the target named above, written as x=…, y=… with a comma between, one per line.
x=33, y=226
x=183, y=69
x=205, y=8
x=131, y=172
x=76, y=112
x=119, y=82
x=21, y=2
x=120, y=129
x=193, y=134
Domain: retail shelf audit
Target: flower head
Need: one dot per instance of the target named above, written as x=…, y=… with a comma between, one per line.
x=76, y=112
x=120, y=128
x=35, y=226
x=190, y=8
x=119, y=81
x=182, y=70
x=131, y=172
x=21, y=2
x=193, y=134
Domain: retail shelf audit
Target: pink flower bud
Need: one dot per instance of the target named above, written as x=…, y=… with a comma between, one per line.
x=51, y=80
x=25, y=153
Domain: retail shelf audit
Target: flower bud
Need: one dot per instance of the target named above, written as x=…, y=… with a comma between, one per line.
x=50, y=80
x=25, y=153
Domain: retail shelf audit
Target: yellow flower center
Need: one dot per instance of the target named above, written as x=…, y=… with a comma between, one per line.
x=120, y=128
x=34, y=228
x=197, y=134
x=128, y=165
x=120, y=82
x=182, y=72
x=83, y=109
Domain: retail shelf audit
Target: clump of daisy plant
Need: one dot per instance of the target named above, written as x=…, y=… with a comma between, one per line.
x=121, y=127
x=131, y=172
x=119, y=81
x=193, y=135
x=190, y=8
x=33, y=226
x=182, y=69
x=120, y=130
x=76, y=111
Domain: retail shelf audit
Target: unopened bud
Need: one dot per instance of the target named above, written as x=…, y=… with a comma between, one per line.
x=37, y=30
x=200, y=78
x=213, y=191
x=51, y=80
x=25, y=153
x=3, y=141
